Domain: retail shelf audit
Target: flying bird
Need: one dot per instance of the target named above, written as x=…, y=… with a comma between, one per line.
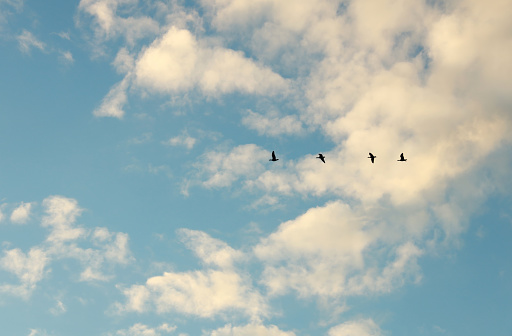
x=371, y=157
x=321, y=157
x=402, y=157
x=273, y=157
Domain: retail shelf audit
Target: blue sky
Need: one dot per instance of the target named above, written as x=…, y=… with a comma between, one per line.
x=137, y=197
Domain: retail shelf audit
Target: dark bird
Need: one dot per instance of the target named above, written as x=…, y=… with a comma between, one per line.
x=402, y=157
x=371, y=157
x=273, y=157
x=321, y=157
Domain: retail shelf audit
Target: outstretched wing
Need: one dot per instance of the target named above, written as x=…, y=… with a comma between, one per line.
x=372, y=157
x=322, y=158
x=402, y=156
x=273, y=155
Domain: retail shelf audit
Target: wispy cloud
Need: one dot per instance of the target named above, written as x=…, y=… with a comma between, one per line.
x=181, y=140
x=27, y=41
x=272, y=124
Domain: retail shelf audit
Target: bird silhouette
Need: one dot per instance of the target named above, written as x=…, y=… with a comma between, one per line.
x=402, y=157
x=273, y=157
x=321, y=157
x=371, y=157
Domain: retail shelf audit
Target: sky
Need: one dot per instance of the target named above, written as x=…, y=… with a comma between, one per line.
x=137, y=197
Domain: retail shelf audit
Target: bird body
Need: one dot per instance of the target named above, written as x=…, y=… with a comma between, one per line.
x=321, y=157
x=372, y=157
x=273, y=157
x=402, y=157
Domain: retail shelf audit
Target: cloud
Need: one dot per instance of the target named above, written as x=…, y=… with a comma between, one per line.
x=356, y=328
x=181, y=140
x=211, y=251
x=5, y=9
x=206, y=293
x=333, y=251
x=63, y=240
x=28, y=267
x=249, y=330
x=113, y=103
x=177, y=61
x=140, y=329
x=272, y=124
x=26, y=41
x=59, y=308
x=222, y=168
x=21, y=214
x=108, y=25
x=67, y=57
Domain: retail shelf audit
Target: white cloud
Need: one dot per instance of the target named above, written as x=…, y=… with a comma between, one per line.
x=59, y=308
x=356, y=328
x=67, y=57
x=63, y=241
x=210, y=250
x=177, y=61
x=29, y=268
x=109, y=25
x=272, y=124
x=113, y=103
x=249, y=330
x=206, y=293
x=221, y=168
x=26, y=41
x=140, y=329
x=334, y=251
x=181, y=140
x=21, y=214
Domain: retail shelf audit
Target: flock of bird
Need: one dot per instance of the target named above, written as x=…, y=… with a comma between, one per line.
x=322, y=157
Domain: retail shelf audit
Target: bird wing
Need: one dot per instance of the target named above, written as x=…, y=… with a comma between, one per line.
x=372, y=158
x=402, y=156
x=273, y=155
x=322, y=158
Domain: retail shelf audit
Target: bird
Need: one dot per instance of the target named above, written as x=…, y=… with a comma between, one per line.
x=321, y=157
x=273, y=157
x=402, y=157
x=371, y=157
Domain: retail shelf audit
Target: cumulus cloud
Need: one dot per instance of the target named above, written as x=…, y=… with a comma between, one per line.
x=63, y=241
x=430, y=81
x=28, y=267
x=21, y=214
x=249, y=330
x=330, y=251
x=206, y=293
x=139, y=329
x=178, y=61
x=356, y=328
